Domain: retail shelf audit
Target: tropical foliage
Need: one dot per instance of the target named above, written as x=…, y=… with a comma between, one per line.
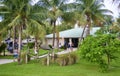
x=100, y=49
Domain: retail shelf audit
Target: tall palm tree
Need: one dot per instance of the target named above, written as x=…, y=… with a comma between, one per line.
x=93, y=12
x=21, y=14
x=56, y=9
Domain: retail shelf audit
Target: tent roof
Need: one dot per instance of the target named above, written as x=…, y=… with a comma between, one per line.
x=73, y=33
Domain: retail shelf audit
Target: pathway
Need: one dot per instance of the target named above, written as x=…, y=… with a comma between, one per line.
x=4, y=61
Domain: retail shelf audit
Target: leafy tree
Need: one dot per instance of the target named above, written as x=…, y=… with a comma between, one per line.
x=100, y=49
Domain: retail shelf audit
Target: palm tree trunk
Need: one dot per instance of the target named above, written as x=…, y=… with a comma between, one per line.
x=14, y=37
x=88, y=25
x=36, y=46
x=57, y=39
x=81, y=38
x=54, y=31
x=19, y=45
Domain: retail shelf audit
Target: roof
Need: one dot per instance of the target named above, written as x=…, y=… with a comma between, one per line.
x=73, y=33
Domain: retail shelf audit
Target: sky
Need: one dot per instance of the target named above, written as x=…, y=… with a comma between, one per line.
x=109, y=5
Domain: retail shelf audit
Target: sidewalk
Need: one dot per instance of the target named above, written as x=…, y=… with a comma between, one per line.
x=59, y=53
x=4, y=61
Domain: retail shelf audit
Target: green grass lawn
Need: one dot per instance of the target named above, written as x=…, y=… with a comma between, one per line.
x=6, y=57
x=33, y=68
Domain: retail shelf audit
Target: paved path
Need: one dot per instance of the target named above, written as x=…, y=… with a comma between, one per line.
x=4, y=61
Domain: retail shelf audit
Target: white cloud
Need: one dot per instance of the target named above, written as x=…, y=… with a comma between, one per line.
x=109, y=5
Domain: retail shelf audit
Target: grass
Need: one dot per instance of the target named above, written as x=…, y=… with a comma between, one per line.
x=6, y=57
x=33, y=68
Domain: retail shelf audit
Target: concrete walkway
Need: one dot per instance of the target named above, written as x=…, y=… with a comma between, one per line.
x=4, y=61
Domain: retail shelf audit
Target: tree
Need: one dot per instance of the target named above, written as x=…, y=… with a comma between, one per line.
x=100, y=49
x=56, y=9
x=22, y=15
x=92, y=11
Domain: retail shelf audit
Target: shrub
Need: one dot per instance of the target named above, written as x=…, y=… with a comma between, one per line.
x=72, y=58
x=100, y=49
x=23, y=57
x=63, y=60
x=44, y=61
x=67, y=59
x=31, y=45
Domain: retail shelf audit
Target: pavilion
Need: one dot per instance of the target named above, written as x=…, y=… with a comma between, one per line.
x=72, y=35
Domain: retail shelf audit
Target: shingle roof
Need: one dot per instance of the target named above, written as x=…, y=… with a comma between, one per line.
x=73, y=33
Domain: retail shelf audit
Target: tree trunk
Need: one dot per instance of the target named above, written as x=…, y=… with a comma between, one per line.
x=81, y=38
x=54, y=31
x=14, y=37
x=57, y=39
x=27, y=52
x=19, y=45
x=36, y=46
x=88, y=25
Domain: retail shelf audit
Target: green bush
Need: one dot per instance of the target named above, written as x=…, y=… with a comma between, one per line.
x=31, y=45
x=100, y=49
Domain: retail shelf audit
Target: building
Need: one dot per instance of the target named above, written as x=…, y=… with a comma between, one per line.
x=70, y=35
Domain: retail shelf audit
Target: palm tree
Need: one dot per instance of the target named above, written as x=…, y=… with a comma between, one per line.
x=56, y=9
x=22, y=14
x=92, y=11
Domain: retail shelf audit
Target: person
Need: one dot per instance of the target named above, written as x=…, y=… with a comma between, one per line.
x=60, y=45
x=15, y=54
x=70, y=46
x=66, y=45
